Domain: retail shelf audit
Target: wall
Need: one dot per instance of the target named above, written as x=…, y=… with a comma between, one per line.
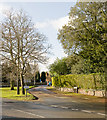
x=99, y=93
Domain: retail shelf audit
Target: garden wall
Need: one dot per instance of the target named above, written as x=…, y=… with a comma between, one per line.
x=99, y=93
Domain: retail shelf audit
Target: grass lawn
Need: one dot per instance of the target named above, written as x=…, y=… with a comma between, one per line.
x=12, y=94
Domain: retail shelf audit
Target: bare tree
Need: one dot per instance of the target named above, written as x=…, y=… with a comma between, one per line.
x=21, y=43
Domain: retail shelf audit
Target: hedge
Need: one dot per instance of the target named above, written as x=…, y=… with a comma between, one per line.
x=90, y=81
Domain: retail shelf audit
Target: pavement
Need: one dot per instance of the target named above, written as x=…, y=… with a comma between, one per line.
x=52, y=105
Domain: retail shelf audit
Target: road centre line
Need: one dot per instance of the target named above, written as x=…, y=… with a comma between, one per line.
x=74, y=109
x=86, y=111
x=64, y=107
x=92, y=112
x=54, y=105
x=101, y=114
x=30, y=113
x=78, y=109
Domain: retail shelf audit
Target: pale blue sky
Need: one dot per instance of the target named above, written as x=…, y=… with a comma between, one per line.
x=48, y=17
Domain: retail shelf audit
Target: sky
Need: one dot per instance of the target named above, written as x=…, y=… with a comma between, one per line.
x=47, y=17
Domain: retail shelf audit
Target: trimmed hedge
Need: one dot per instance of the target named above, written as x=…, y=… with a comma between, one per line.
x=91, y=81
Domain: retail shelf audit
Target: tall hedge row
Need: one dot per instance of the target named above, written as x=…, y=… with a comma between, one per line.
x=91, y=81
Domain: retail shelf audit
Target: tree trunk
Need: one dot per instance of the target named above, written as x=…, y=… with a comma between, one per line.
x=105, y=69
x=11, y=82
x=22, y=83
x=18, y=91
x=34, y=79
x=95, y=86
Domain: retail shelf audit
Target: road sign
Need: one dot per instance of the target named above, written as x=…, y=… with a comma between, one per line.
x=75, y=87
x=26, y=87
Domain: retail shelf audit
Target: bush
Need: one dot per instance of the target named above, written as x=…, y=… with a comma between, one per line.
x=91, y=81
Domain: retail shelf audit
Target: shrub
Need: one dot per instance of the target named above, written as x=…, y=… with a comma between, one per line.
x=91, y=81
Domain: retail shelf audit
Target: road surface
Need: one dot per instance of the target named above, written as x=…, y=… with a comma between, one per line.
x=50, y=105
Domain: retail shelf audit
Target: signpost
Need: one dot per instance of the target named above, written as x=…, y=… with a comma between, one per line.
x=26, y=87
x=75, y=89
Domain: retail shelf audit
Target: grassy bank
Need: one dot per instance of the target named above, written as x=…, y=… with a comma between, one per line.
x=12, y=94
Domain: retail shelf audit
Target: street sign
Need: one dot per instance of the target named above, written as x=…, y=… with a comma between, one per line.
x=26, y=87
x=75, y=87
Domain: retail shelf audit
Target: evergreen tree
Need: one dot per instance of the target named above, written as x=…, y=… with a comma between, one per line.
x=37, y=77
x=43, y=76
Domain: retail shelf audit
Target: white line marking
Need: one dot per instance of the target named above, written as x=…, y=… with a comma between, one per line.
x=101, y=114
x=54, y=105
x=64, y=107
x=86, y=111
x=74, y=109
x=30, y=113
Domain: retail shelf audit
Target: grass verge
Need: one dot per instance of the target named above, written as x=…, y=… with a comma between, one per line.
x=12, y=94
x=87, y=98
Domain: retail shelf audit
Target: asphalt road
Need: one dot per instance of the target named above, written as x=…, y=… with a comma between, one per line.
x=50, y=105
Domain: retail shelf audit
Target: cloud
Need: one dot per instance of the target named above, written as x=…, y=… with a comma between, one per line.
x=41, y=25
x=51, y=60
x=44, y=67
x=3, y=8
x=56, y=24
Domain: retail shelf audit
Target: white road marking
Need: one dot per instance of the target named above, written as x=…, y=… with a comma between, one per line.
x=30, y=113
x=86, y=111
x=64, y=107
x=54, y=105
x=74, y=109
x=101, y=114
